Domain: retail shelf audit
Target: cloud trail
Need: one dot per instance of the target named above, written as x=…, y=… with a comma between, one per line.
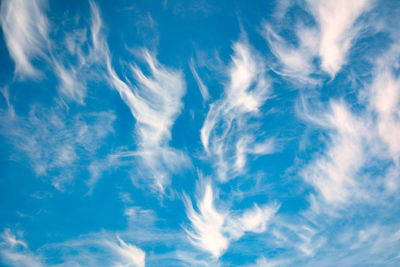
x=203, y=89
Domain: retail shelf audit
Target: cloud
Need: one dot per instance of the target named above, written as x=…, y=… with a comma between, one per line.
x=333, y=173
x=330, y=40
x=70, y=85
x=263, y=262
x=213, y=229
x=226, y=135
x=15, y=252
x=255, y=220
x=350, y=177
x=327, y=240
x=357, y=139
x=207, y=224
x=384, y=101
x=335, y=22
x=155, y=101
x=100, y=49
x=72, y=66
x=200, y=84
x=54, y=142
x=25, y=29
x=353, y=172
x=100, y=249
x=294, y=62
x=129, y=255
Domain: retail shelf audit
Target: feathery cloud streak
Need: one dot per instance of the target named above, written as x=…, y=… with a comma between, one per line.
x=114, y=251
x=226, y=121
x=335, y=22
x=330, y=40
x=155, y=102
x=212, y=230
x=25, y=27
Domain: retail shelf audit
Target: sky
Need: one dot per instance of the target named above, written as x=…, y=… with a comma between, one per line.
x=200, y=133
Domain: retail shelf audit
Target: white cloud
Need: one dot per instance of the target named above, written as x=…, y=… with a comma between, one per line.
x=333, y=173
x=256, y=219
x=155, y=101
x=15, y=252
x=74, y=41
x=25, y=29
x=129, y=255
x=100, y=249
x=296, y=61
x=268, y=146
x=226, y=121
x=70, y=85
x=263, y=262
x=10, y=239
x=330, y=40
x=200, y=84
x=356, y=140
x=212, y=230
x=332, y=242
x=155, y=104
x=354, y=172
x=336, y=29
x=100, y=166
x=207, y=224
x=384, y=101
x=55, y=142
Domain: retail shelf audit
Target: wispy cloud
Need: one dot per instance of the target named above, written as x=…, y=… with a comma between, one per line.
x=70, y=85
x=203, y=88
x=356, y=139
x=212, y=229
x=333, y=174
x=330, y=240
x=294, y=62
x=330, y=40
x=384, y=100
x=92, y=250
x=27, y=32
x=264, y=262
x=338, y=197
x=226, y=134
x=353, y=144
x=25, y=29
x=155, y=104
x=15, y=252
x=155, y=101
x=336, y=29
x=131, y=254
x=53, y=143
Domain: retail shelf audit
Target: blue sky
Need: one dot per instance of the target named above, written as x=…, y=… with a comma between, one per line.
x=200, y=133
